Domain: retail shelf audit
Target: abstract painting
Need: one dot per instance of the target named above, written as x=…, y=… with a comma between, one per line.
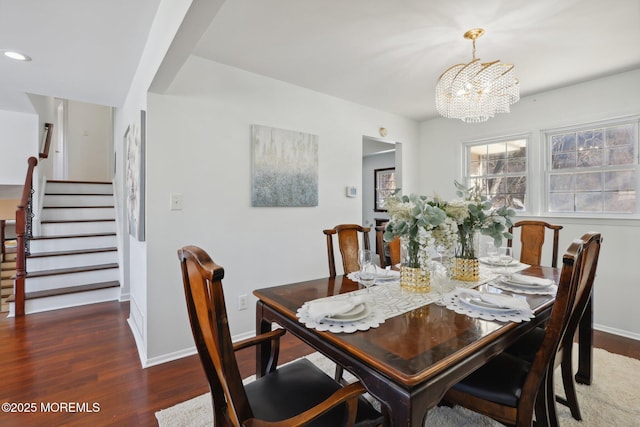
x=135, y=141
x=284, y=168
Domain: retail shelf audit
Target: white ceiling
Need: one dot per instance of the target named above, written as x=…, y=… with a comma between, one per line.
x=380, y=53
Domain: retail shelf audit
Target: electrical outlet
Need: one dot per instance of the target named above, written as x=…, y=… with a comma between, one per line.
x=243, y=303
x=176, y=201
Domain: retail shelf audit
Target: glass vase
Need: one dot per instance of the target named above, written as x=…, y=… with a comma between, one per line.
x=465, y=265
x=413, y=274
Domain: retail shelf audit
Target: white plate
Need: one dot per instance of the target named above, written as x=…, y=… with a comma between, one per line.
x=477, y=303
x=521, y=285
x=486, y=260
x=358, y=312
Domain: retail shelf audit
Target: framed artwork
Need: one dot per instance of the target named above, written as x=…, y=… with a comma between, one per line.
x=135, y=140
x=45, y=143
x=284, y=168
x=384, y=183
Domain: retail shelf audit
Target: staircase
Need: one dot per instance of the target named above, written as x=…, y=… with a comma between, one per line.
x=74, y=260
x=7, y=271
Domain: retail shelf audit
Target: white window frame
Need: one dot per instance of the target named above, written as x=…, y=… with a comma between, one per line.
x=530, y=199
x=545, y=139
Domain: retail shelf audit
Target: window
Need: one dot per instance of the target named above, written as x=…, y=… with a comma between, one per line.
x=499, y=168
x=593, y=169
x=384, y=183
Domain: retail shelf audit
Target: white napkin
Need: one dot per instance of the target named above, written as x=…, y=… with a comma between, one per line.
x=528, y=280
x=499, y=300
x=382, y=273
x=327, y=307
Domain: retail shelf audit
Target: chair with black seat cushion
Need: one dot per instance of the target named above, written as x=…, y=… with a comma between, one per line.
x=527, y=346
x=295, y=394
x=348, y=242
x=532, y=234
x=389, y=251
x=510, y=389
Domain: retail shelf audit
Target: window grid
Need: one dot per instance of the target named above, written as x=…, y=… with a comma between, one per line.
x=499, y=169
x=593, y=169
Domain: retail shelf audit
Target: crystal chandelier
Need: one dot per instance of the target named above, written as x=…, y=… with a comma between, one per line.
x=475, y=91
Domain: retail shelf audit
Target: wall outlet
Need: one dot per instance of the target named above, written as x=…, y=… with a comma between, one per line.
x=243, y=302
x=176, y=201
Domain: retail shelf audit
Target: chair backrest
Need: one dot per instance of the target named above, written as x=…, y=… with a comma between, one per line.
x=392, y=246
x=579, y=264
x=532, y=235
x=202, y=280
x=349, y=245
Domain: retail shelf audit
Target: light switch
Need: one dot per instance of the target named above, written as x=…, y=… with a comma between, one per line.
x=176, y=202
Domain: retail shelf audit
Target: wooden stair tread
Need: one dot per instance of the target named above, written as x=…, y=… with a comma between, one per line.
x=65, y=181
x=74, y=252
x=67, y=221
x=78, y=207
x=70, y=236
x=58, y=271
x=68, y=290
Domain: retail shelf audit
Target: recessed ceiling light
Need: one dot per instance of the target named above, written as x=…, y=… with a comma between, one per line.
x=16, y=55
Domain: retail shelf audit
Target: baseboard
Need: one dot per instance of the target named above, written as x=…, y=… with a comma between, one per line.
x=615, y=331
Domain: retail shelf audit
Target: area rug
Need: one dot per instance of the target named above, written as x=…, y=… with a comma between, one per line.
x=613, y=399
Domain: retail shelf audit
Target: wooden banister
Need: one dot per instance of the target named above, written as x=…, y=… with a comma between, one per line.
x=23, y=233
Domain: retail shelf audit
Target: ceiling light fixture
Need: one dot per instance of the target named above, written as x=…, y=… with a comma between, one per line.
x=475, y=91
x=16, y=55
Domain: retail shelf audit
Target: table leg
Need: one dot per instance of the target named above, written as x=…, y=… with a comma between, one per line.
x=585, y=345
x=263, y=351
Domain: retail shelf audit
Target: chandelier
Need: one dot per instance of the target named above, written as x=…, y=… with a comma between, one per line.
x=475, y=91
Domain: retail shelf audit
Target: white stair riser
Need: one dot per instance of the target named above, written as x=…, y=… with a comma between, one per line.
x=61, y=214
x=63, y=229
x=71, y=261
x=77, y=188
x=72, y=243
x=74, y=200
x=68, y=300
x=33, y=284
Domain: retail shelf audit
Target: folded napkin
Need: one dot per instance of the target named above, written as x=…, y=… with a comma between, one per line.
x=499, y=300
x=327, y=307
x=382, y=273
x=528, y=280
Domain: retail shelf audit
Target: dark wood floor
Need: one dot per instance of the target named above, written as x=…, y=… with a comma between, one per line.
x=87, y=355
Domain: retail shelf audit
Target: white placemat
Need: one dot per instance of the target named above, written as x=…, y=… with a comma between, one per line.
x=453, y=302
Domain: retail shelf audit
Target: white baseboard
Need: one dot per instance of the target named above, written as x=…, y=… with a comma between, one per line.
x=615, y=331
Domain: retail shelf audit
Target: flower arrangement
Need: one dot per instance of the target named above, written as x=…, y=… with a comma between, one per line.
x=475, y=213
x=427, y=222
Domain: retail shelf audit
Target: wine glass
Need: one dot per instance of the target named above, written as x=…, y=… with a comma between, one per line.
x=492, y=253
x=367, y=274
x=441, y=249
x=505, y=258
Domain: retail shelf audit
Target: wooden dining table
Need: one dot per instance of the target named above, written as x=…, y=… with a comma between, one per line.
x=409, y=361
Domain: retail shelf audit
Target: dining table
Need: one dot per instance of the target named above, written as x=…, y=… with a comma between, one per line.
x=409, y=360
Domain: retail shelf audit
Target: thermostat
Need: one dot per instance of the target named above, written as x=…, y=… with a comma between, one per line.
x=352, y=192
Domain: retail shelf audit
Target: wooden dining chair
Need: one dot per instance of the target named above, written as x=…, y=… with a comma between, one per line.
x=527, y=345
x=392, y=247
x=295, y=394
x=510, y=389
x=532, y=234
x=348, y=242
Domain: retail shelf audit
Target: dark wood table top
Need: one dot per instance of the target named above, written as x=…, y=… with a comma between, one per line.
x=428, y=345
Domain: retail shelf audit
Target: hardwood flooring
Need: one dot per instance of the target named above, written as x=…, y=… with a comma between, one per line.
x=87, y=355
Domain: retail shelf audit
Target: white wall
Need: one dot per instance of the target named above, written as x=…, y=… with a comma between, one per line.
x=617, y=289
x=19, y=141
x=198, y=145
x=88, y=142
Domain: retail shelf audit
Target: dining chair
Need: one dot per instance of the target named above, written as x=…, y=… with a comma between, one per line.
x=510, y=389
x=348, y=243
x=532, y=234
x=392, y=248
x=298, y=393
x=526, y=347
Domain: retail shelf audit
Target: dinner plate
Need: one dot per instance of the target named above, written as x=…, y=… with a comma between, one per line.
x=517, y=284
x=477, y=303
x=358, y=312
x=486, y=260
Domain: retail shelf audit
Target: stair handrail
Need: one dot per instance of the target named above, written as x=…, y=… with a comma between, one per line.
x=24, y=232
